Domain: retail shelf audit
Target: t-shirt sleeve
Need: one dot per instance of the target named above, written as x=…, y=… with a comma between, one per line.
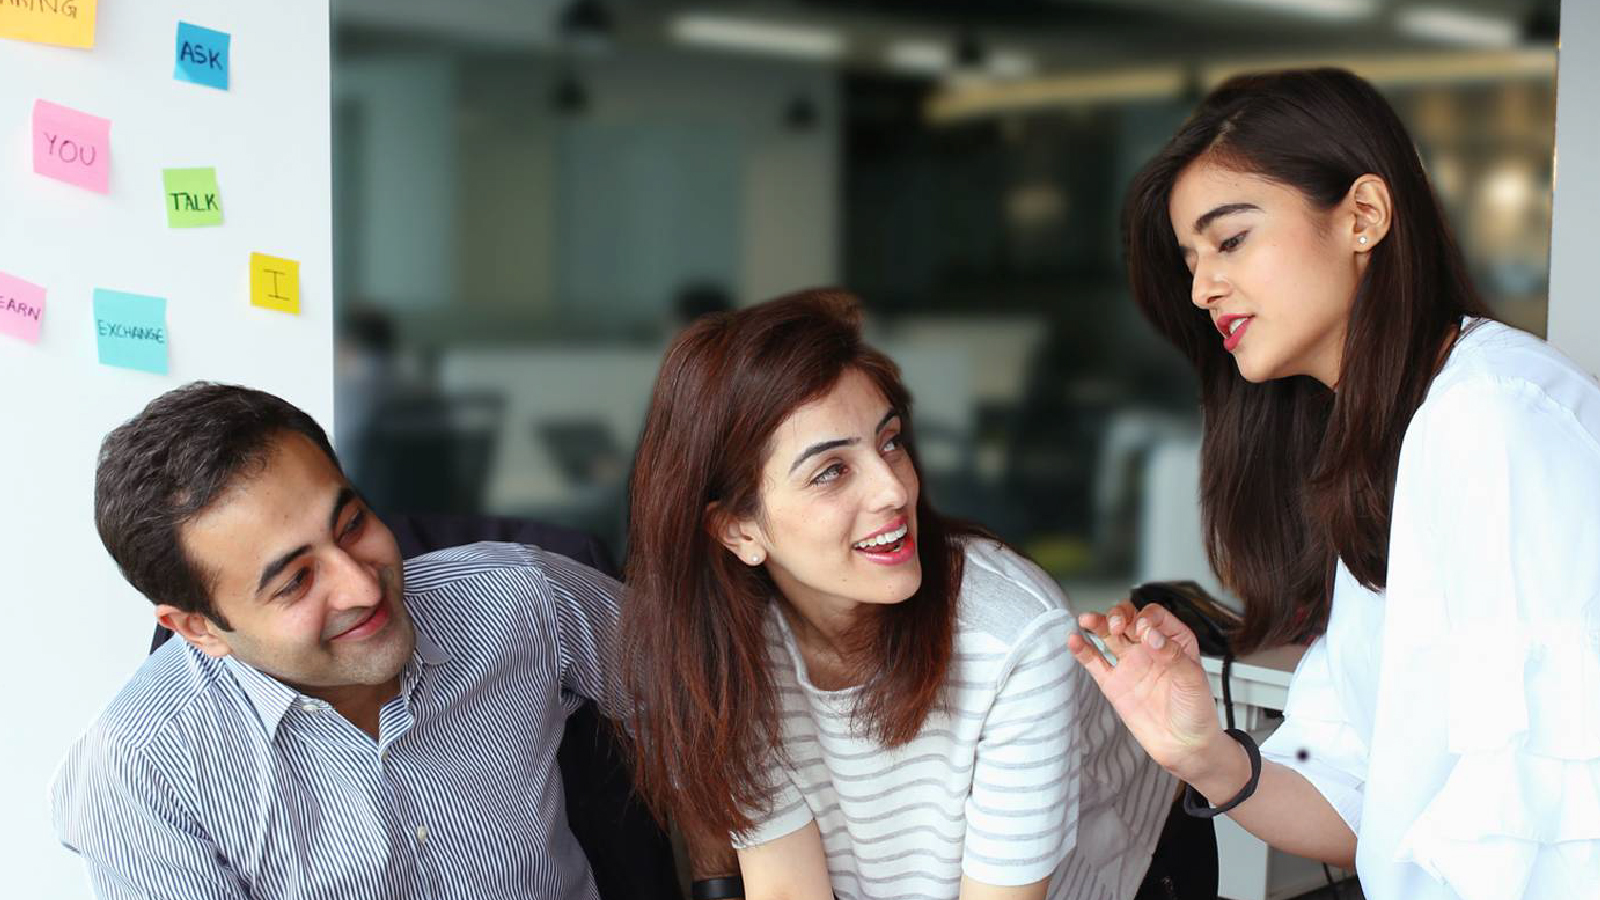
x=786, y=814
x=1022, y=811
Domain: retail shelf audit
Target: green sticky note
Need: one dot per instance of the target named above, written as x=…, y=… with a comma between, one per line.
x=132, y=330
x=193, y=200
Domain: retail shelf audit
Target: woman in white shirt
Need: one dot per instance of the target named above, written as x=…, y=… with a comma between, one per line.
x=1387, y=468
x=871, y=700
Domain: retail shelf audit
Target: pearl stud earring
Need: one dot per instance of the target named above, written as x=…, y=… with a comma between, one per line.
x=1362, y=239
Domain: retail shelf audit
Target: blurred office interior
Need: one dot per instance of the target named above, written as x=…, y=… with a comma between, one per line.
x=533, y=196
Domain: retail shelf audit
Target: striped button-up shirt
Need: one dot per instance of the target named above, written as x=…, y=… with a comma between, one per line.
x=207, y=778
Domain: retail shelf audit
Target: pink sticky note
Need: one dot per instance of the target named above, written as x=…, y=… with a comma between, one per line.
x=21, y=308
x=72, y=146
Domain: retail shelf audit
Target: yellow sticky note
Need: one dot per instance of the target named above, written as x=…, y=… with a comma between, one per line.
x=66, y=23
x=275, y=283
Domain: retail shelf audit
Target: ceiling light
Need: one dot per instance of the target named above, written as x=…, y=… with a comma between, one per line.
x=1410, y=68
x=1436, y=23
x=918, y=57
x=1011, y=64
x=965, y=101
x=1314, y=9
x=934, y=58
x=757, y=36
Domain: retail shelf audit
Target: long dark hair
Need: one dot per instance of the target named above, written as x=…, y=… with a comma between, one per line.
x=694, y=654
x=1294, y=475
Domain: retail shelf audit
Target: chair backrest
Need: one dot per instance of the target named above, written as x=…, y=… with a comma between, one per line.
x=429, y=453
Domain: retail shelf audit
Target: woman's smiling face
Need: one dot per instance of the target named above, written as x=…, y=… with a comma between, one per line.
x=838, y=523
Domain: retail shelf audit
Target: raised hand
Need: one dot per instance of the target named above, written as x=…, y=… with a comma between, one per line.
x=1156, y=684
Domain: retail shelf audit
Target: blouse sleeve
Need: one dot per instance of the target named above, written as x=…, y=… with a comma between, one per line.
x=1495, y=572
x=1316, y=738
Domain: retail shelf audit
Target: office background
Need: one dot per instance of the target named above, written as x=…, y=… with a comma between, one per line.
x=531, y=198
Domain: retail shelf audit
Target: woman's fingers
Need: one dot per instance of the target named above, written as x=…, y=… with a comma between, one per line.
x=1120, y=618
x=1112, y=628
x=1156, y=621
x=1113, y=622
x=1088, y=655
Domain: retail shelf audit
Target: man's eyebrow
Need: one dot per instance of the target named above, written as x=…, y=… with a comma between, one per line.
x=346, y=495
x=278, y=565
x=1226, y=209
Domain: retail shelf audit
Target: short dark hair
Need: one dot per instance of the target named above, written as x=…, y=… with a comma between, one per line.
x=164, y=466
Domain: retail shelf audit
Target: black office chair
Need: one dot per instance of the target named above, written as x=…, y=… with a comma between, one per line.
x=429, y=453
x=629, y=854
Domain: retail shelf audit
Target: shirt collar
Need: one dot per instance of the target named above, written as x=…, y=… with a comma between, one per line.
x=428, y=651
x=271, y=698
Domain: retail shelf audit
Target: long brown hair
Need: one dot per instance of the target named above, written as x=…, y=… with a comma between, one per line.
x=694, y=653
x=1294, y=475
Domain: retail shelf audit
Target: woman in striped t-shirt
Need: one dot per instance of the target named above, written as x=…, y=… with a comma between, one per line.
x=870, y=700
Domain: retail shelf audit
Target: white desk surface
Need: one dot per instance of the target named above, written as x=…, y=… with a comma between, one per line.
x=1259, y=679
x=1267, y=666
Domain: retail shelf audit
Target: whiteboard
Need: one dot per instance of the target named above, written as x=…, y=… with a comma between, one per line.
x=75, y=630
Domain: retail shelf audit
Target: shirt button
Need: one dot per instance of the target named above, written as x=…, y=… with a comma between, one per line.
x=310, y=706
x=422, y=834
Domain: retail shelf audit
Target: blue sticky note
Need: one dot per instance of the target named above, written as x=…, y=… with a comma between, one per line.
x=132, y=330
x=202, y=56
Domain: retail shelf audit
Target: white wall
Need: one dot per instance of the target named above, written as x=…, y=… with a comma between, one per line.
x=1575, y=223
x=75, y=631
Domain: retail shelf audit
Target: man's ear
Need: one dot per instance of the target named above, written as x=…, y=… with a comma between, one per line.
x=741, y=537
x=195, y=628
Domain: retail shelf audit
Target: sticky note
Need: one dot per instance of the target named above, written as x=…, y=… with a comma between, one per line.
x=65, y=23
x=202, y=56
x=275, y=283
x=72, y=146
x=132, y=330
x=193, y=200
x=21, y=308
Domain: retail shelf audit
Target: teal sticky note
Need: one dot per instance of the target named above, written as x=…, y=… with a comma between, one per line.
x=132, y=330
x=202, y=56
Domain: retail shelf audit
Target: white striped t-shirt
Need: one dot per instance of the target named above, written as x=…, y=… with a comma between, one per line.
x=1025, y=773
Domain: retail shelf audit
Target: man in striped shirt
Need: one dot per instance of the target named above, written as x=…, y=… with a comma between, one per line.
x=334, y=724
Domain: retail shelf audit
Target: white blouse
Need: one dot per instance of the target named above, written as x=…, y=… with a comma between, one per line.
x=1455, y=722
